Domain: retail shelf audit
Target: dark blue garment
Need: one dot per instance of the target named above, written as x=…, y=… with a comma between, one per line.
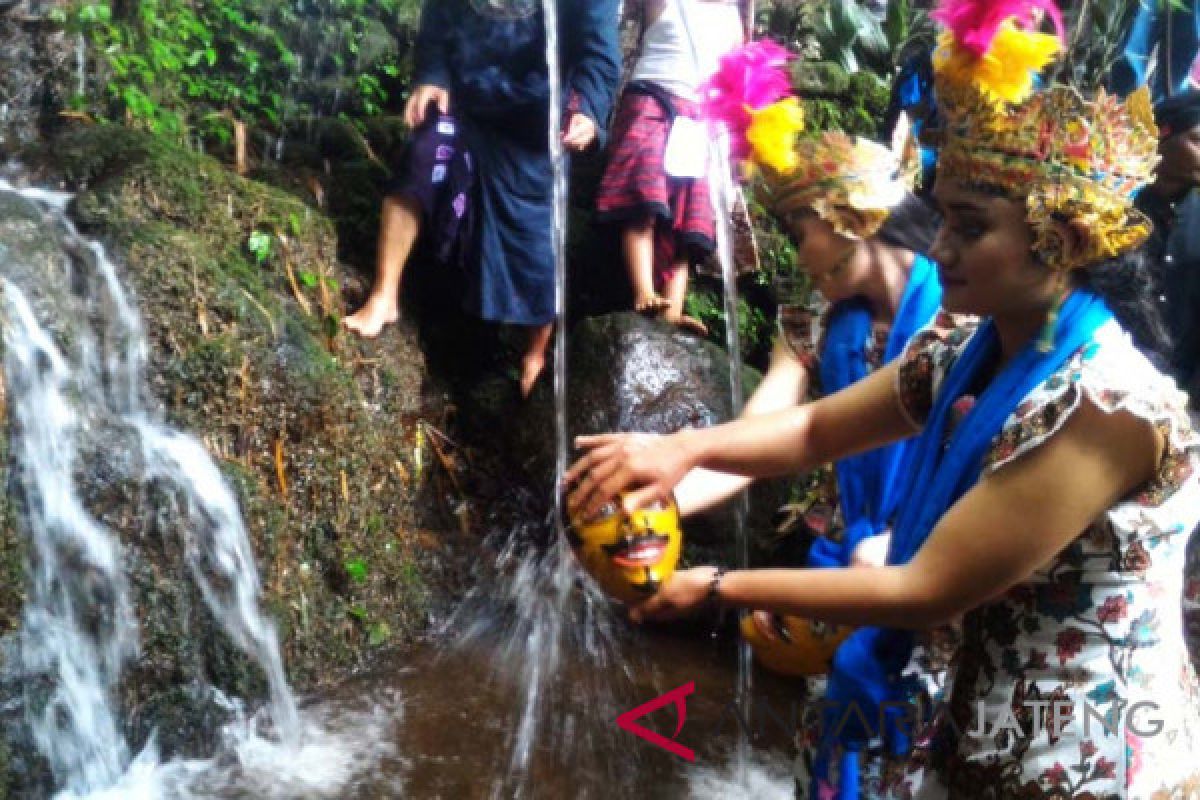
x=495, y=71
x=866, y=675
x=868, y=487
x=1174, y=250
x=1176, y=34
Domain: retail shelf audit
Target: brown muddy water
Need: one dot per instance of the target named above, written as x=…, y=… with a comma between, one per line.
x=455, y=710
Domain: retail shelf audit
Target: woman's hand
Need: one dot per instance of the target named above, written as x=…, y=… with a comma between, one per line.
x=419, y=100
x=765, y=624
x=580, y=133
x=683, y=593
x=614, y=462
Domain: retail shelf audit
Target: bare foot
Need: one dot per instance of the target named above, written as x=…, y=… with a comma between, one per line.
x=369, y=320
x=531, y=368
x=687, y=323
x=651, y=304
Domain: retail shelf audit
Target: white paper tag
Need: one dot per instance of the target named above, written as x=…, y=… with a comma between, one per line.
x=687, y=149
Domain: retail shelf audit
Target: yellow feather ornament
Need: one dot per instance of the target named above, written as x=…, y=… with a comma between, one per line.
x=772, y=134
x=1007, y=70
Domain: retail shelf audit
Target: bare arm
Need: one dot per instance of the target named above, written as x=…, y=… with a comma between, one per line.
x=784, y=385
x=1010, y=524
x=861, y=417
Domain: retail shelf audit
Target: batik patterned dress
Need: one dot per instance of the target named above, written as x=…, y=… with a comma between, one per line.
x=802, y=332
x=1098, y=629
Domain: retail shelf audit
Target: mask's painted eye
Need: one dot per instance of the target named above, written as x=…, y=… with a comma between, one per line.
x=606, y=511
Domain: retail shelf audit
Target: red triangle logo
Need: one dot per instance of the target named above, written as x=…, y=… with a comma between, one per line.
x=626, y=721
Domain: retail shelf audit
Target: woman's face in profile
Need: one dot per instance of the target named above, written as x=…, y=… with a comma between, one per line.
x=984, y=252
x=828, y=257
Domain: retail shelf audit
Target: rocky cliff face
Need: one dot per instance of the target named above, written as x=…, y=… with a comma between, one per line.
x=325, y=439
x=37, y=60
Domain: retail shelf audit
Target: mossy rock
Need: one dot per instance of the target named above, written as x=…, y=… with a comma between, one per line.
x=240, y=291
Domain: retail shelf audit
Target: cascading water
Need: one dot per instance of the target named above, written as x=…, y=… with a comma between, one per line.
x=720, y=176
x=78, y=628
x=75, y=389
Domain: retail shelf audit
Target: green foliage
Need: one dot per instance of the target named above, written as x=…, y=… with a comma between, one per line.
x=259, y=245
x=182, y=66
x=356, y=568
x=707, y=304
x=857, y=108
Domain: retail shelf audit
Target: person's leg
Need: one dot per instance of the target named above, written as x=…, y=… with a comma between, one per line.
x=534, y=359
x=676, y=291
x=638, y=241
x=398, y=229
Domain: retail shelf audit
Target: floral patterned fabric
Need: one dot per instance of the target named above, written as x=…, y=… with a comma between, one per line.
x=802, y=331
x=1080, y=674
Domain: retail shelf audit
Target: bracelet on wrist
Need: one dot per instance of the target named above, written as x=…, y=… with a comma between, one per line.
x=714, y=586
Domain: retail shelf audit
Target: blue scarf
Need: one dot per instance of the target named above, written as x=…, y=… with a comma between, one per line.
x=866, y=669
x=867, y=483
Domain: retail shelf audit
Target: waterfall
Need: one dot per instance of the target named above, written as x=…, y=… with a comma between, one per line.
x=78, y=628
x=79, y=389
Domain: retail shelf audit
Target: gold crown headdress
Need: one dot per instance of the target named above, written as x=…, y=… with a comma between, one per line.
x=851, y=182
x=1074, y=161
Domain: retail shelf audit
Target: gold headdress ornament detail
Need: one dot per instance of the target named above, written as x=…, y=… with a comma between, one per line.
x=851, y=182
x=1075, y=162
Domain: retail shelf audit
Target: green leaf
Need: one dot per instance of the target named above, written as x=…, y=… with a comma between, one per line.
x=259, y=245
x=378, y=633
x=308, y=279
x=356, y=568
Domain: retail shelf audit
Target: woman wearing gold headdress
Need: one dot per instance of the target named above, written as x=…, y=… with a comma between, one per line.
x=1055, y=481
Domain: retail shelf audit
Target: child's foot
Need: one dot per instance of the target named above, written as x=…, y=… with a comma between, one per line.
x=687, y=323
x=651, y=304
x=370, y=320
x=531, y=369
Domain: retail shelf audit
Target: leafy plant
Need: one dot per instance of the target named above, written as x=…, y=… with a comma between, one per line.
x=178, y=66
x=356, y=568
x=259, y=245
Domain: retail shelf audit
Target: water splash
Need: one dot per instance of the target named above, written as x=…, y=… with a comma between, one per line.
x=531, y=612
x=760, y=777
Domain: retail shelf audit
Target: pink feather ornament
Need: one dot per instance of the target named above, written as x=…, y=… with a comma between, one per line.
x=974, y=23
x=748, y=79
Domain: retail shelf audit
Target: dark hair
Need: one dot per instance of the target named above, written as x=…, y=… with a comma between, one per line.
x=912, y=225
x=1128, y=285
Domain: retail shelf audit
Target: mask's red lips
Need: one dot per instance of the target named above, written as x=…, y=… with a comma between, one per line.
x=642, y=550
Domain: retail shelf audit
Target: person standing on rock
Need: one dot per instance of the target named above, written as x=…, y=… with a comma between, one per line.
x=662, y=204
x=479, y=172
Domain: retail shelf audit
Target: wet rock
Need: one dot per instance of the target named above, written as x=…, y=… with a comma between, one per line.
x=36, y=70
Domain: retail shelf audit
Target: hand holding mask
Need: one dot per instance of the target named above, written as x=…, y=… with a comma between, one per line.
x=801, y=647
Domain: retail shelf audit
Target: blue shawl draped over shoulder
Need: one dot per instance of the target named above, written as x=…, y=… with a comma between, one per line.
x=866, y=693
x=867, y=483
x=495, y=71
